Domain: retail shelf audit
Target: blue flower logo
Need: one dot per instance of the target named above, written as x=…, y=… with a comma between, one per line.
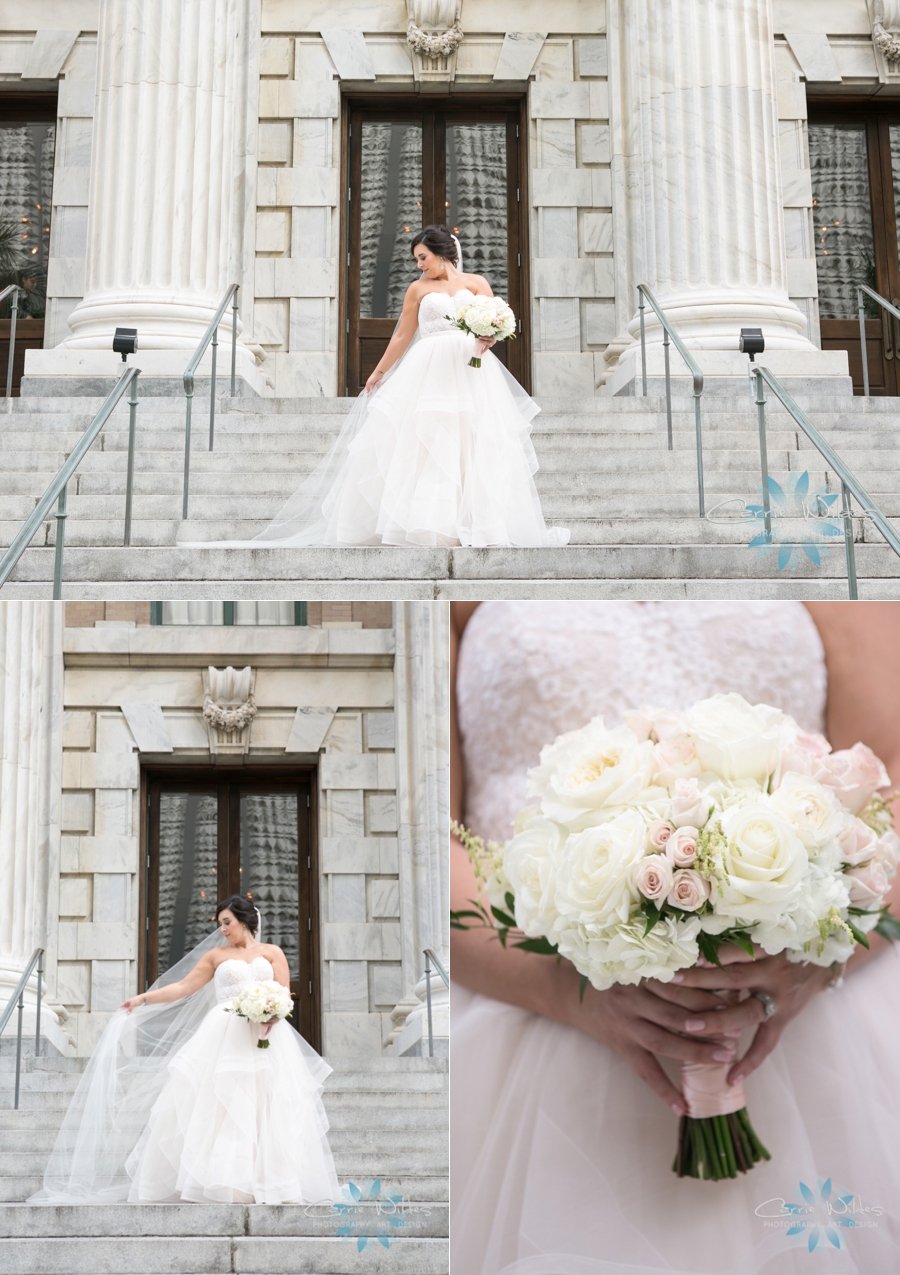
x=823, y=1213
x=370, y=1215
x=801, y=522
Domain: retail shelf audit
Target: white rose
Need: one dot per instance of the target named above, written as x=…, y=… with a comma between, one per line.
x=858, y=841
x=737, y=740
x=689, y=890
x=804, y=756
x=675, y=758
x=813, y=812
x=589, y=771
x=530, y=862
x=657, y=724
x=689, y=806
x=764, y=862
x=653, y=876
x=681, y=849
x=626, y=954
x=594, y=884
x=868, y=885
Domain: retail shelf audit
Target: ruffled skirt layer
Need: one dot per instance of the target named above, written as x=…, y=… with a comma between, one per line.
x=237, y=1124
x=561, y=1156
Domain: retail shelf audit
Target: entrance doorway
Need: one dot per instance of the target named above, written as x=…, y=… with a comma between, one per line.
x=411, y=164
x=215, y=833
x=854, y=155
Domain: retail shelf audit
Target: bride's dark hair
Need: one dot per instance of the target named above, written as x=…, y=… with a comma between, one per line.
x=243, y=910
x=436, y=239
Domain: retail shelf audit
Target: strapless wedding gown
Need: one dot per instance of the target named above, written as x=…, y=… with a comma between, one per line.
x=439, y=455
x=236, y=1124
x=561, y=1156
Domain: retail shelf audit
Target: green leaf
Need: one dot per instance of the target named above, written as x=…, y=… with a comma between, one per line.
x=502, y=917
x=510, y=901
x=542, y=946
x=889, y=926
x=582, y=984
x=857, y=934
x=744, y=942
x=709, y=947
x=652, y=913
x=456, y=919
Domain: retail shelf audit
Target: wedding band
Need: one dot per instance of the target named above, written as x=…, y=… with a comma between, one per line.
x=768, y=1004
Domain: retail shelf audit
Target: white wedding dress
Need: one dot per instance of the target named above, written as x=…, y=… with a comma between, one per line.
x=561, y=1156
x=440, y=454
x=229, y=1123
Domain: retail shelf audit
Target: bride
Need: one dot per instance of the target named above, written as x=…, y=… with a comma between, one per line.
x=563, y=1126
x=177, y=1102
x=434, y=452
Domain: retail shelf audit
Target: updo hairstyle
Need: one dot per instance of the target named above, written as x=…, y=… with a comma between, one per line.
x=243, y=910
x=437, y=239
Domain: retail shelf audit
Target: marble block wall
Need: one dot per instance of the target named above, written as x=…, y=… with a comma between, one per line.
x=324, y=696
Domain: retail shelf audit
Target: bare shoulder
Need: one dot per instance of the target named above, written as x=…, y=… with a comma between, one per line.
x=479, y=285
x=269, y=950
x=416, y=290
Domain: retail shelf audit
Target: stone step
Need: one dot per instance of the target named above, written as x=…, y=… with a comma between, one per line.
x=370, y=1159
x=390, y=1084
x=212, y=1255
x=345, y=1135
x=420, y=1218
x=424, y=1186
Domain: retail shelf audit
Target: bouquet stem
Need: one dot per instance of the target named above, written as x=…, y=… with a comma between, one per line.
x=474, y=363
x=717, y=1147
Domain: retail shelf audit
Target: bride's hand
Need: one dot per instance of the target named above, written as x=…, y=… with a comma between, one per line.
x=653, y=1018
x=483, y=343
x=791, y=986
x=265, y=1027
x=133, y=1002
x=374, y=381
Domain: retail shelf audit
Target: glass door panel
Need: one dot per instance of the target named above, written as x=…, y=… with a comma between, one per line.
x=269, y=868
x=188, y=861
x=476, y=199
x=390, y=215
x=842, y=211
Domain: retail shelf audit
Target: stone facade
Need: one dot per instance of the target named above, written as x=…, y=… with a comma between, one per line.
x=613, y=196
x=366, y=706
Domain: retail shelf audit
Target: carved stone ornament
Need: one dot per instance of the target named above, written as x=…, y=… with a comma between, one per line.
x=229, y=708
x=886, y=30
x=434, y=35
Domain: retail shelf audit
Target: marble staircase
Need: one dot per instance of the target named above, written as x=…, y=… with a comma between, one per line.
x=605, y=472
x=388, y=1119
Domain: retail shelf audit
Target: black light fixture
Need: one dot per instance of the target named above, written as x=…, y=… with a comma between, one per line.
x=752, y=342
x=125, y=342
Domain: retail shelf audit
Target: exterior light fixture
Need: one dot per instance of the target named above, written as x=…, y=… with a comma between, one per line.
x=125, y=342
x=752, y=342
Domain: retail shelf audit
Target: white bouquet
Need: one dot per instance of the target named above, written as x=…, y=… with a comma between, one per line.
x=485, y=316
x=260, y=1002
x=655, y=842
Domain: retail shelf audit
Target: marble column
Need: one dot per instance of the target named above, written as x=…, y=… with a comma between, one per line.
x=700, y=190
x=423, y=772
x=172, y=173
x=31, y=696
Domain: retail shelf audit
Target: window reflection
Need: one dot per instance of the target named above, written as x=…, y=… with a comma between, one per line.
x=476, y=199
x=842, y=217
x=391, y=215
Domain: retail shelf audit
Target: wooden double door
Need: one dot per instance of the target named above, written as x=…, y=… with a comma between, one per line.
x=413, y=163
x=211, y=834
x=855, y=169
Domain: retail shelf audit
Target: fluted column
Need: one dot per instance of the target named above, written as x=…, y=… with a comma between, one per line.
x=423, y=770
x=31, y=694
x=170, y=169
x=702, y=188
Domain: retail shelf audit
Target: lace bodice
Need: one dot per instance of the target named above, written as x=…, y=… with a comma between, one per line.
x=433, y=309
x=232, y=976
x=531, y=670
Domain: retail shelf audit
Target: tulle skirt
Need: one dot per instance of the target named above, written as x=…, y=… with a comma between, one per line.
x=236, y=1124
x=561, y=1156
x=440, y=454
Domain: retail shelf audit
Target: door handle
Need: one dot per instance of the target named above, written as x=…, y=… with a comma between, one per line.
x=895, y=326
x=886, y=334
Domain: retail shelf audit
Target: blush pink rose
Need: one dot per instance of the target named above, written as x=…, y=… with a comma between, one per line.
x=858, y=843
x=689, y=805
x=653, y=876
x=675, y=758
x=659, y=833
x=654, y=723
x=803, y=757
x=854, y=774
x=681, y=849
x=868, y=885
x=887, y=852
x=689, y=890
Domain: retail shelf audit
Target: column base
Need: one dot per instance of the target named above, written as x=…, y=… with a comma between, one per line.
x=63, y=372
x=727, y=371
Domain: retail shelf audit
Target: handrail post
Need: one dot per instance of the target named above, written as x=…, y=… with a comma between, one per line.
x=668, y=387
x=129, y=479
x=234, y=313
x=13, y=315
x=428, y=1001
x=643, y=343
x=60, y=543
x=849, y=547
x=37, y=1030
x=697, y=394
x=763, y=456
x=189, y=394
x=19, y=1046
x=862, y=340
x=212, y=389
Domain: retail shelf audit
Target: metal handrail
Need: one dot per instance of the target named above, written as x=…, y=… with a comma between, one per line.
x=860, y=289
x=429, y=958
x=211, y=334
x=693, y=368
x=14, y=310
x=850, y=484
x=37, y=958
x=58, y=486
